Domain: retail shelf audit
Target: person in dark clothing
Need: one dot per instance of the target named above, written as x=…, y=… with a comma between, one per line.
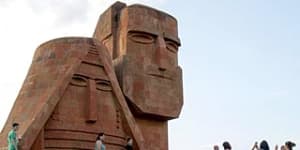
x=226, y=145
x=129, y=144
x=290, y=145
x=264, y=145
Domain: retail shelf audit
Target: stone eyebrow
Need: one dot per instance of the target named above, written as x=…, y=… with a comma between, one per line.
x=103, y=80
x=81, y=75
x=172, y=38
x=142, y=32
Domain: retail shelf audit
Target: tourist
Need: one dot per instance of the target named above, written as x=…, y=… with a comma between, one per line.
x=99, y=142
x=129, y=144
x=12, y=137
x=289, y=145
x=216, y=147
x=283, y=147
x=262, y=146
x=226, y=145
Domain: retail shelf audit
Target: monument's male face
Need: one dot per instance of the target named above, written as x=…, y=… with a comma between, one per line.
x=149, y=42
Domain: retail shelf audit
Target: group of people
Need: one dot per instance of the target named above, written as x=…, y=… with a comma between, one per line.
x=265, y=146
x=226, y=146
x=13, y=140
x=289, y=145
x=100, y=144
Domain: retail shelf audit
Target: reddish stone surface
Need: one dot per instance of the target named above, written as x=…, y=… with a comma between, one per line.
x=143, y=43
x=70, y=95
x=124, y=82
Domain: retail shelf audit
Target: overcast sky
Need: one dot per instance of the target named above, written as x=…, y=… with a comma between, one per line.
x=240, y=62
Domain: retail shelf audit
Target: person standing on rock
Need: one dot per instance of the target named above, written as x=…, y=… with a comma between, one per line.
x=12, y=137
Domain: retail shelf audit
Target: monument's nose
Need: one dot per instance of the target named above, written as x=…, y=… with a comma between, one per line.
x=161, y=53
x=92, y=110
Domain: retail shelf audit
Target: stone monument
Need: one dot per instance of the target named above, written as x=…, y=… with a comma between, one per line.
x=125, y=81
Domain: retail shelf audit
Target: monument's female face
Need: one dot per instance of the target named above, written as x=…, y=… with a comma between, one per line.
x=89, y=96
x=152, y=79
x=87, y=106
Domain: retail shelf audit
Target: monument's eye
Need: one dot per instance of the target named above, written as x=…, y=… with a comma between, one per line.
x=141, y=37
x=79, y=80
x=171, y=46
x=103, y=85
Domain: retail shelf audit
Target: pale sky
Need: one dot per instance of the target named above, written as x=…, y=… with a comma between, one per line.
x=240, y=60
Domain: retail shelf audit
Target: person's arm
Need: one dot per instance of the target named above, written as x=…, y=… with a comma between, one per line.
x=276, y=147
x=255, y=146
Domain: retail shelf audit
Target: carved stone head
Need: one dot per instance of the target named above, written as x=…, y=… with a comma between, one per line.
x=147, y=64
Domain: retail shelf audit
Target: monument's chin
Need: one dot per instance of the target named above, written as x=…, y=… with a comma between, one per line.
x=155, y=95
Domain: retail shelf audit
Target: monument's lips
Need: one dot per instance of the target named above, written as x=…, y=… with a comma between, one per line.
x=160, y=76
x=164, y=74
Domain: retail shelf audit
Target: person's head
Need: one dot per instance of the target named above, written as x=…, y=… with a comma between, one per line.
x=290, y=145
x=100, y=136
x=226, y=145
x=15, y=126
x=264, y=145
x=216, y=147
x=283, y=147
x=129, y=141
